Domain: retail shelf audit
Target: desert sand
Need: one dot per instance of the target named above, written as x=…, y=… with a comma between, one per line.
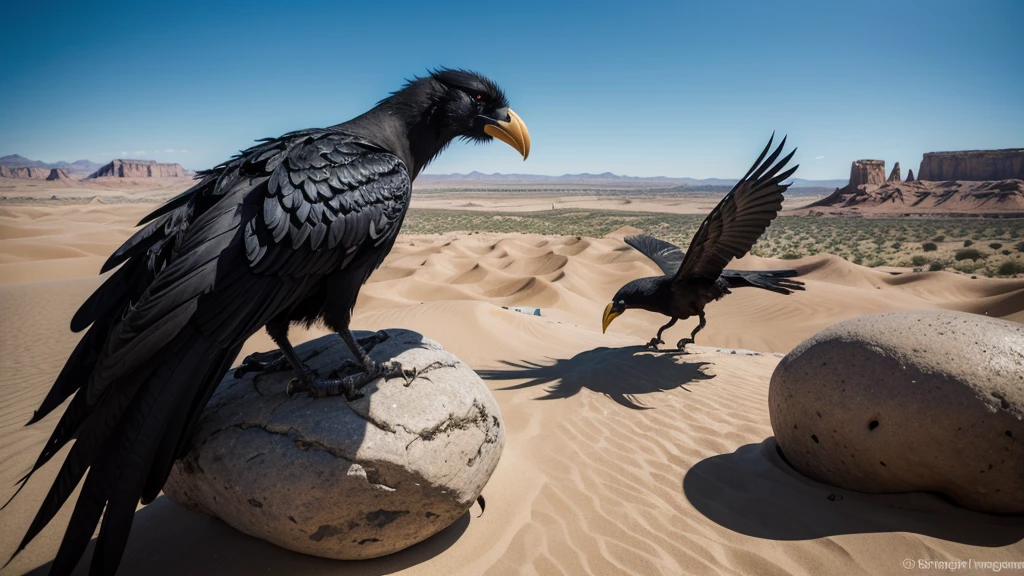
x=617, y=461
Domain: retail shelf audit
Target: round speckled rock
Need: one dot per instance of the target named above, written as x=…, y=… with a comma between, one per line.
x=908, y=401
x=339, y=479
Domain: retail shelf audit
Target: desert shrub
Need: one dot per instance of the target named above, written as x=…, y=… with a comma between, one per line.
x=877, y=263
x=967, y=243
x=995, y=245
x=1010, y=268
x=1020, y=247
x=929, y=247
x=790, y=256
x=939, y=238
x=919, y=260
x=965, y=268
x=896, y=245
x=1006, y=252
x=936, y=266
x=969, y=254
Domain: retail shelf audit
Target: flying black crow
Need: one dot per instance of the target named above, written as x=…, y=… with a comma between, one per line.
x=287, y=231
x=699, y=276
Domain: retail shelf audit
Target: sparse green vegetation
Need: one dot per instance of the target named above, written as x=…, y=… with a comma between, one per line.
x=995, y=245
x=969, y=254
x=863, y=241
x=919, y=260
x=1010, y=268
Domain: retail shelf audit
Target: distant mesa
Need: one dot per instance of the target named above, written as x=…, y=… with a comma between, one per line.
x=140, y=169
x=973, y=165
x=867, y=172
x=951, y=183
x=34, y=173
x=79, y=168
x=894, y=176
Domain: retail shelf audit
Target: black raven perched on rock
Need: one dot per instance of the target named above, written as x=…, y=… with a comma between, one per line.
x=697, y=277
x=287, y=231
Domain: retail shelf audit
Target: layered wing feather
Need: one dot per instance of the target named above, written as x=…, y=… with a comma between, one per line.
x=739, y=219
x=666, y=255
x=212, y=266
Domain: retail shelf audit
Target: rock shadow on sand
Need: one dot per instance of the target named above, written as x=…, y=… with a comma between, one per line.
x=754, y=491
x=621, y=374
x=169, y=540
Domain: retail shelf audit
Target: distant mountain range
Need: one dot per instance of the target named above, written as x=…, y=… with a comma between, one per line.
x=605, y=179
x=78, y=167
x=477, y=179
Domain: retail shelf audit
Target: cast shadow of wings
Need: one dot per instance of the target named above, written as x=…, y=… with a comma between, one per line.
x=621, y=374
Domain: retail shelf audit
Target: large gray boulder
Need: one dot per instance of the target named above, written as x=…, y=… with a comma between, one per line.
x=341, y=479
x=908, y=401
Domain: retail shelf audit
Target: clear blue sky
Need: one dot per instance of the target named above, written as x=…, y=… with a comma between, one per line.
x=660, y=88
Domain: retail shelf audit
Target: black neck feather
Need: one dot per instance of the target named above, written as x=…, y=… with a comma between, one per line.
x=410, y=123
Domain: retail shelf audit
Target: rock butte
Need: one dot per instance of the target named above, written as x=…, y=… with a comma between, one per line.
x=139, y=169
x=973, y=165
x=34, y=173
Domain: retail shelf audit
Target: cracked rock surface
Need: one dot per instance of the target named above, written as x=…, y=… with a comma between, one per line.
x=908, y=401
x=339, y=479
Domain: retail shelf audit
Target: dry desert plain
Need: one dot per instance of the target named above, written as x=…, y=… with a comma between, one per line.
x=617, y=460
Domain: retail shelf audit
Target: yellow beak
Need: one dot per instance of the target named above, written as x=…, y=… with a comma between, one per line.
x=609, y=315
x=513, y=133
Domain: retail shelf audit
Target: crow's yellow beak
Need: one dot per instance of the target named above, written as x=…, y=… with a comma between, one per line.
x=609, y=315
x=513, y=132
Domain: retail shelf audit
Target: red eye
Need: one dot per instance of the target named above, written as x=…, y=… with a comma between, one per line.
x=479, y=97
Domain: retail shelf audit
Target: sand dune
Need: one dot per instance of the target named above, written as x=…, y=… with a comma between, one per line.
x=617, y=459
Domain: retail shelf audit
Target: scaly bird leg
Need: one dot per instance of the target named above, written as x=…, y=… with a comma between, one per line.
x=349, y=378
x=657, y=339
x=280, y=360
x=682, y=343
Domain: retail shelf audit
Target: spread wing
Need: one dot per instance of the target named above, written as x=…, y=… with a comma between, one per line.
x=666, y=255
x=735, y=224
x=211, y=267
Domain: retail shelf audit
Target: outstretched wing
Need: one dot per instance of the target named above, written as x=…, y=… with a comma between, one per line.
x=735, y=224
x=666, y=255
x=779, y=281
x=212, y=266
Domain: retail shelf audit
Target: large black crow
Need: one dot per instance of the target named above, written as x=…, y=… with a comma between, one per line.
x=698, y=277
x=287, y=231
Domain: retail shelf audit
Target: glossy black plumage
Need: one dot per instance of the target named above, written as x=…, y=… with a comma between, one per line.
x=669, y=257
x=698, y=276
x=286, y=231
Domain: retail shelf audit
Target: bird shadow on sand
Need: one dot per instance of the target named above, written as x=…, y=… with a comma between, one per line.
x=621, y=374
x=754, y=491
x=167, y=539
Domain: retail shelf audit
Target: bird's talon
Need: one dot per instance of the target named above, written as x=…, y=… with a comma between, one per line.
x=295, y=386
